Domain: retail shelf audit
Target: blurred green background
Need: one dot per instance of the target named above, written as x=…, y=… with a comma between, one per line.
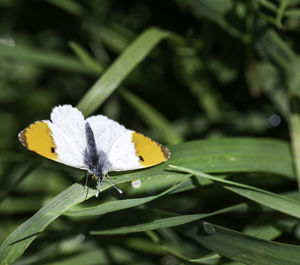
x=225, y=68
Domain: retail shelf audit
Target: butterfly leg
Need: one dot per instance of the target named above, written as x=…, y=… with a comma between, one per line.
x=113, y=184
x=99, y=182
x=86, y=179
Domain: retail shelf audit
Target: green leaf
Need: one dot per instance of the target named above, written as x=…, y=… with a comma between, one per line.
x=218, y=155
x=235, y=155
x=19, y=205
x=167, y=222
x=120, y=69
x=16, y=243
x=85, y=57
x=217, y=11
x=244, y=248
x=117, y=205
x=294, y=13
x=157, y=122
x=18, y=174
x=279, y=51
x=280, y=12
x=45, y=58
x=274, y=47
x=115, y=37
x=274, y=201
x=210, y=259
x=70, y=6
x=263, y=231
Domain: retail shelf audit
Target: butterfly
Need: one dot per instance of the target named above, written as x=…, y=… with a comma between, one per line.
x=97, y=144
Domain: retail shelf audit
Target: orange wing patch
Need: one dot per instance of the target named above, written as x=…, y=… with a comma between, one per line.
x=37, y=137
x=149, y=152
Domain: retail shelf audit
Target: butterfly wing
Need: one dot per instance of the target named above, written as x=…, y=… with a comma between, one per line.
x=62, y=139
x=134, y=150
x=125, y=149
x=106, y=131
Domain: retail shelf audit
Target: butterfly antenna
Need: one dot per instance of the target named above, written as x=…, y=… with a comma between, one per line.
x=113, y=184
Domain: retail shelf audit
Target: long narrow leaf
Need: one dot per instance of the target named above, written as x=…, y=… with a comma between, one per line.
x=244, y=248
x=85, y=57
x=44, y=58
x=205, y=155
x=113, y=206
x=277, y=202
x=120, y=69
x=167, y=222
x=16, y=243
x=235, y=155
x=152, y=117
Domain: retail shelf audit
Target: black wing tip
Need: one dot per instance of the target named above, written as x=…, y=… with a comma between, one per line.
x=166, y=152
x=22, y=137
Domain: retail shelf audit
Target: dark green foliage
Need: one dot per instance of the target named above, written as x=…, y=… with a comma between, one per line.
x=214, y=80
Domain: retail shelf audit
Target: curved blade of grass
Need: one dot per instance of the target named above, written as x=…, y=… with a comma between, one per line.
x=277, y=202
x=69, y=6
x=113, y=206
x=273, y=46
x=210, y=259
x=216, y=11
x=152, y=118
x=44, y=58
x=15, y=205
x=294, y=134
x=219, y=155
x=120, y=69
x=234, y=155
x=16, y=243
x=244, y=248
x=85, y=57
x=167, y=222
x=18, y=175
x=278, y=50
x=116, y=37
x=280, y=13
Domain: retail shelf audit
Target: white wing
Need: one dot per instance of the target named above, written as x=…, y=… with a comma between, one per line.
x=106, y=131
x=115, y=141
x=122, y=154
x=68, y=132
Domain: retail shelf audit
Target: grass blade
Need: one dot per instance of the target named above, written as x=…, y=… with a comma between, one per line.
x=274, y=201
x=120, y=69
x=85, y=57
x=17, y=242
x=113, y=206
x=69, y=6
x=235, y=155
x=44, y=58
x=18, y=175
x=244, y=248
x=247, y=154
x=216, y=11
x=152, y=118
x=166, y=222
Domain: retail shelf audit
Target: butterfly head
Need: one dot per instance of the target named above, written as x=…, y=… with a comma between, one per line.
x=98, y=177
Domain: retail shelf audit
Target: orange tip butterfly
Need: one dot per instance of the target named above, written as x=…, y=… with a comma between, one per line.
x=96, y=144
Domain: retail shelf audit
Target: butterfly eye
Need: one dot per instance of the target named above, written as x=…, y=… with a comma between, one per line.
x=52, y=149
x=141, y=158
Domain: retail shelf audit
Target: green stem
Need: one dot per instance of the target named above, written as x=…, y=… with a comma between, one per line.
x=295, y=135
x=282, y=7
